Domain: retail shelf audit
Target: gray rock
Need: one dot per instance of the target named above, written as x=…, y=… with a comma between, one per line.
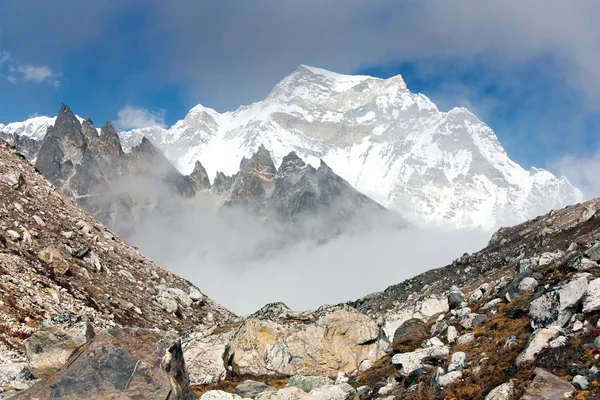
x=166, y=301
x=449, y=378
x=465, y=338
x=452, y=334
x=546, y=386
x=455, y=299
x=219, y=395
x=458, y=361
x=555, y=307
x=194, y=294
x=251, y=389
x=505, y=391
x=405, y=363
x=537, y=342
x=308, y=383
x=580, y=382
x=591, y=301
x=14, y=179
x=593, y=253
x=528, y=285
x=342, y=391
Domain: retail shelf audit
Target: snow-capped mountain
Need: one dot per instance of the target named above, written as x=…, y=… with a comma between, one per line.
x=393, y=145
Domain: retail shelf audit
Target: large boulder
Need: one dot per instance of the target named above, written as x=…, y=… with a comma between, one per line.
x=555, y=307
x=308, y=383
x=505, y=391
x=325, y=343
x=120, y=364
x=203, y=352
x=250, y=389
x=409, y=336
x=546, y=386
x=49, y=348
x=537, y=342
x=406, y=363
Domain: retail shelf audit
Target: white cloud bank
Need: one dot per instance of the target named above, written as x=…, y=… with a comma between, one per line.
x=16, y=72
x=130, y=117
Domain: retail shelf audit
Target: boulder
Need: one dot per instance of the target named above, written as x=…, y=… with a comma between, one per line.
x=528, y=285
x=452, y=334
x=250, y=389
x=549, y=258
x=342, y=391
x=409, y=336
x=449, y=378
x=288, y=393
x=308, y=383
x=455, y=300
x=49, y=348
x=555, y=307
x=120, y=364
x=406, y=363
x=219, y=395
x=203, y=352
x=537, y=342
x=335, y=340
x=458, y=361
x=546, y=386
x=591, y=301
x=506, y=391
x=593, y=253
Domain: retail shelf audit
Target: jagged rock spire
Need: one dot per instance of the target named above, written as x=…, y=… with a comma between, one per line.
x=199, y=177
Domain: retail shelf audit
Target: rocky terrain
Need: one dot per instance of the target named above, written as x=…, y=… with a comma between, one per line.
x=57, y=261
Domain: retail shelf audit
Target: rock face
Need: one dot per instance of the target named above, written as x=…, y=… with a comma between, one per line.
x=92, y=168
x=120, y=363
x=53, y=343
x=303, y=200
x=323, y=343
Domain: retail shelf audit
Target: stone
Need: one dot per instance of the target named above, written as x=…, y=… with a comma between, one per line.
x=449, y=378
x=14, y=179
x=288, y=393
x=572, y=247
x=546, y=386
x=331, y=341
x=452, y=334
x=476, y=295
x=49, y=348
x=405, y=363
x=194, y=294
x=472, y=319
x=505, y=391
x=538, y=341
x=465, y=338
x=38, y=220
x=341, y=378
x=580, y=382
x=120, y=363
x=528, y=285
x=181, y=296
x=219, y=395
x=203, y=352
x=549, y=258
x=250, y=389
x=166, y=301
x=555, y=307
x=577, y=326
x=13, y=235
x=458, y=361
x=126, y=274
x=342, y=391
x=511, y=341
x=308, y=383
x=455, y=299
x=591, y=301
x=491, y=304
x=433, y=342
x=593, y=253
x=558, y=342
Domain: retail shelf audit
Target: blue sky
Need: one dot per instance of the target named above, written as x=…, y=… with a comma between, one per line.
x=531, y=70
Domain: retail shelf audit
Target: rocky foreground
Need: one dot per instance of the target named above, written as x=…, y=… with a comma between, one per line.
x=85, y=316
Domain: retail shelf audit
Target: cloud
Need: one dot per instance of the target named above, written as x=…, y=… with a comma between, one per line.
x=16, y=72
x=130, y=117
x=583, y=172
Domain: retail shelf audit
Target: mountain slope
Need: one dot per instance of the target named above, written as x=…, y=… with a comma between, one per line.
x=55, y=259
x=393, y=145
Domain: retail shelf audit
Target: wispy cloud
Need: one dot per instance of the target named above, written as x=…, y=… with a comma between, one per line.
x=130, y=117
x=582, y=172
x=16, y=72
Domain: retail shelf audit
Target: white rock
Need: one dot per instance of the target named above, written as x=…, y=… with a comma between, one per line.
x=465, y=338
x=558, y=342
x=219, y=395
x=408, y=362
x=580, y=382
x=288, y=393
x=452, y=334
x=13, y=235
x=342, y=391
x=450, y=377
x=505, y=391
x=341, y=378
x=538, y=341
x=458, y=361
x=549, y=258
x=433, y=342
x=577, y=326
x=38, y=220
x=528, y=285
x=167, y=301
x=556, y=307
x=591, y=301
x=181, y=296
x=126, y=274
x=194, y=293
x=492, y=304
x=478, y=294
